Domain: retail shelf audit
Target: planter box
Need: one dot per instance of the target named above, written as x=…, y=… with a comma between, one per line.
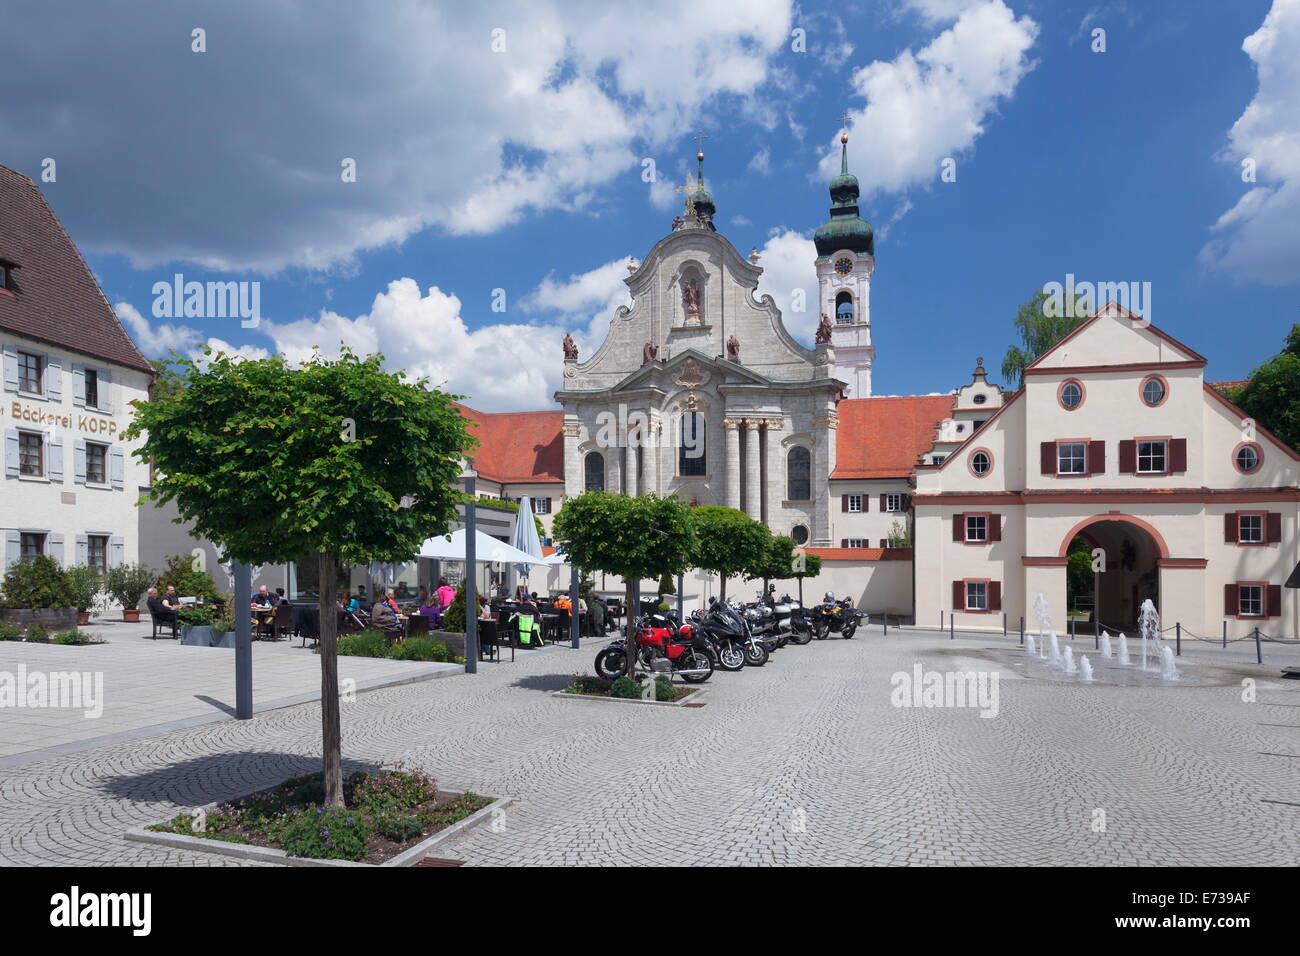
x=266, y=854
x=131, y=615
x=455, y=641
x=688, y=699
x=223, y=640
x=196, y=635
x=48, y=619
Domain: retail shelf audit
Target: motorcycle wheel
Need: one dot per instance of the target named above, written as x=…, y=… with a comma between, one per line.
x=731, y=657
x=697, y=661
x=821, y=629
x=801, y=637
x=611, y=663
x=848, y=631
x=755, y=655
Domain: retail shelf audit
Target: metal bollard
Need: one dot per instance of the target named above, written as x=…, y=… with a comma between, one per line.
x=941, y=619
x=1178, y=638
x=1004, y=623
x=1225, y=635
x=951, y=619
x=1096, y=633
x=1259, y=650
x=1022, y=630
x=884, y=619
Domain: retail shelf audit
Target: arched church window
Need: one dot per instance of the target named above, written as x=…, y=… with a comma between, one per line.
x=691, y=458
x=798, y=474
x=844, y=308
x=593, y=467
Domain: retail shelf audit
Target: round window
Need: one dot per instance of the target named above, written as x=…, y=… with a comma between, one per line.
x=1071, y=395
x=1247, y=458
x=981, y=462
x=800, y=534
x=980, y=399
x=1153, y=391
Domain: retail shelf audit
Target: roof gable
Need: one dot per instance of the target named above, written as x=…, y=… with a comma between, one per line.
x=1114, y=337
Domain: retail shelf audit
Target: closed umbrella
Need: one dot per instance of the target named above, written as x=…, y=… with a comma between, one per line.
x=525, y=538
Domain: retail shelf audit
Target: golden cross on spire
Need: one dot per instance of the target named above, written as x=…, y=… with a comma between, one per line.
x=688, y=189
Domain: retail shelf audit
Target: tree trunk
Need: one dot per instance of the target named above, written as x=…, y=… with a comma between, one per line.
x=629, y=644
x=801, y=590
x=331, y=730
x=722, y=588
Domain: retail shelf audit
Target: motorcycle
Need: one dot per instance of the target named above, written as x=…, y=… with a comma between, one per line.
x=835, y=616
x=726, y=641
x=661, y=648
x=739, y=632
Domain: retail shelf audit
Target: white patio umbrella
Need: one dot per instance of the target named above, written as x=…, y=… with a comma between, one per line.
x=487, y=549
x=525, y=538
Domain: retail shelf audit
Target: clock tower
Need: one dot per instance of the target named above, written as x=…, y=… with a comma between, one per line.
x=846, y=259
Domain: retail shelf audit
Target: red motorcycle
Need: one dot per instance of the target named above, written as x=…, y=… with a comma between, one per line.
x=662, y=648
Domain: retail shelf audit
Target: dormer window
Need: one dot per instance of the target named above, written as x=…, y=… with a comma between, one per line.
x=7, y=267
x=4, y=275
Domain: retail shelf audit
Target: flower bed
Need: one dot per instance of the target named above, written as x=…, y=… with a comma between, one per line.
x=627, y=689
x=389, y=811
x=33, y=634
x=374, y=643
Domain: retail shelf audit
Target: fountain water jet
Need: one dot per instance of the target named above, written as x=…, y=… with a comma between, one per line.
x=1123, y=650
x=1168, y=669
x=1149, y=624
x=1105, y=645
x=1054, y=653
x=1029, y=645
x=1069, y=661
x=1085, y=669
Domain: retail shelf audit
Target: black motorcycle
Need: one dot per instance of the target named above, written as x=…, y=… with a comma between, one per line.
x=729, y=627
x=838, y=616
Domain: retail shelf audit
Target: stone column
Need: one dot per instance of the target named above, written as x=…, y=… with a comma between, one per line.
x=573, y=470
x=753, y=469
x=824, y=426
x=613, y=468
x=732, y=465
x=774, y=473
x=629, y=469
x=650, y=458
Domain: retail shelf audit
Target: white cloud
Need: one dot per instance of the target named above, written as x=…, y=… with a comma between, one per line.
x=1258, y=239
x=788, y=270
x=762, y=162
x=156, y=342
x=740, y=220
x=445, y=131
x=922, y=107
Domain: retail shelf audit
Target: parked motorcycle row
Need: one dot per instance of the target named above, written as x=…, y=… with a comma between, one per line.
x=727, y=635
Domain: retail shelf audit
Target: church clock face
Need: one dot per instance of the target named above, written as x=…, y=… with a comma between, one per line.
x=844, y=265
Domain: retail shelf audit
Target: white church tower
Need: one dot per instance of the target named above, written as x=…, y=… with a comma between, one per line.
x=846, y=259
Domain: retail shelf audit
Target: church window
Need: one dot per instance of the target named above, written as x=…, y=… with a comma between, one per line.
x=980, y=399
x=594, y=471
x=800, y=534
x=844, y=308
x=798, y=474
x=692, y=461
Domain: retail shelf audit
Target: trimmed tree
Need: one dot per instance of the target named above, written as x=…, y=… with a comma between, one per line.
x=635, y=538
x=337, y=459
x=777, y=563
x=1272, y=396
x=730, y=542
x=805, y=565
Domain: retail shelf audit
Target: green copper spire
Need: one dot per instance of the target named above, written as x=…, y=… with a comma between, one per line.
x=701, y=199
x=845, y=230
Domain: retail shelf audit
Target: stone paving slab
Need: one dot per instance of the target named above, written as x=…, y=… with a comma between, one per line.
x=803, y=761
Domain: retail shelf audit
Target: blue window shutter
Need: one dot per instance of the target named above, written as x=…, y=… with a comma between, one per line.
x=11, y=368
x=13, y=548
x=83, y=549
x=79, y=461
x=54, y=547
x=54, y=379
x=117, y=467
x=116, y=552
x=106, y=403
x=11, y=453
x=78, y=385
x=54, y=460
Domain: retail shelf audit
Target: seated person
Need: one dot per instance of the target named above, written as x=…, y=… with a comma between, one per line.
x=562, y=604
x=382, y=616
x=262, y=598
x=159, y=608
x=390, y=598
x=349, y=602
x=278, y=597
x=445, y=593
x=171, y=599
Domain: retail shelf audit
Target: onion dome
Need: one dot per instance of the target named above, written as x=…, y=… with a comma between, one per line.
x=845, y=230
x=701, y=198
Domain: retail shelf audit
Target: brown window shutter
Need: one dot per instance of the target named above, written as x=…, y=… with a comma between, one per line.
x=958, y=596
x=1128, y=457
x=866, y=503
x=959, y=527
x=1230, y=603
x=1274, y=527
x=884, y=503
x=844, y=542
x=844, y=502
x=1096, y=458
x=1047, y=457
x=995, y=527
x=995, y=595
x=1275, y=600
x=1177, y=455
x=884, y=542
x=1230, y=525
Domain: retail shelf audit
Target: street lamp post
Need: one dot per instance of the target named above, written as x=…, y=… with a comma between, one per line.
x=243, y=640
x=471, y=583
x=574, y=574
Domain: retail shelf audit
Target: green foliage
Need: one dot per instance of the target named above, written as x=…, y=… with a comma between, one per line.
x=127, y=583
x=310, y=790
x=778, y=560
x=368, y=643
x=188, y=582
x=807, y=565
x=588, y=684
x=400, y=829
x=1039, y=331
x=666, y=585
x=170, y=380
x=327, y=833
x=224, y=623
x=85, y=582
x=74, y=637
x=392, y=791
x=900, y=534
x=10, y=632
x=625, y=687
x=730, y=543
x=36, y=634
x=641, y=537
x=38, y=584
x=195, y=615
x=1272, y=395
x=453, y=619
x=664, y=689
x=422, y=649
x=323, y=455
x=1079, y=574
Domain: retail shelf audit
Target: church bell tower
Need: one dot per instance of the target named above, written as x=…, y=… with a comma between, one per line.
x=846, y=259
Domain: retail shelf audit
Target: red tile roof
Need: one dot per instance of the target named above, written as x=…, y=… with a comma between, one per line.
x=57, y=300
x=861, y=554
x=517, y=446
x=882, y=437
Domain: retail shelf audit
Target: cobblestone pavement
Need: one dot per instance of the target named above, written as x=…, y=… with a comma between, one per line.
x=803, y=761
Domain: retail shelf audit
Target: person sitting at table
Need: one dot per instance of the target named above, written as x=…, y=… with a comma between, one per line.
x=278, y=597
x=423, y=598
x=262, y=598
x=390, y=598
x=562, y=604
x=160, y=609
x=445, y=593
x=350, y=602
x=382, y=616
x=429, y=608
x=171, y=600
x=484, y=609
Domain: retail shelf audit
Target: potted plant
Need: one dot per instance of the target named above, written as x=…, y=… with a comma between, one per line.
x=39, y=593
x=223, y=630
x=126, y=584
x=196, y=624
x=85, y=582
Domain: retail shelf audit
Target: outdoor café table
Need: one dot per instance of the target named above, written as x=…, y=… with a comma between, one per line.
x=262, y=617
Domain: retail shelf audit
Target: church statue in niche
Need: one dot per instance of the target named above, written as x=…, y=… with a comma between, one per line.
x=733, y=348
x=691, y=301
x=570, y=348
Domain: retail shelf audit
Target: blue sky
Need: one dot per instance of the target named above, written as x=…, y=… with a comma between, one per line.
x=521, y=169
